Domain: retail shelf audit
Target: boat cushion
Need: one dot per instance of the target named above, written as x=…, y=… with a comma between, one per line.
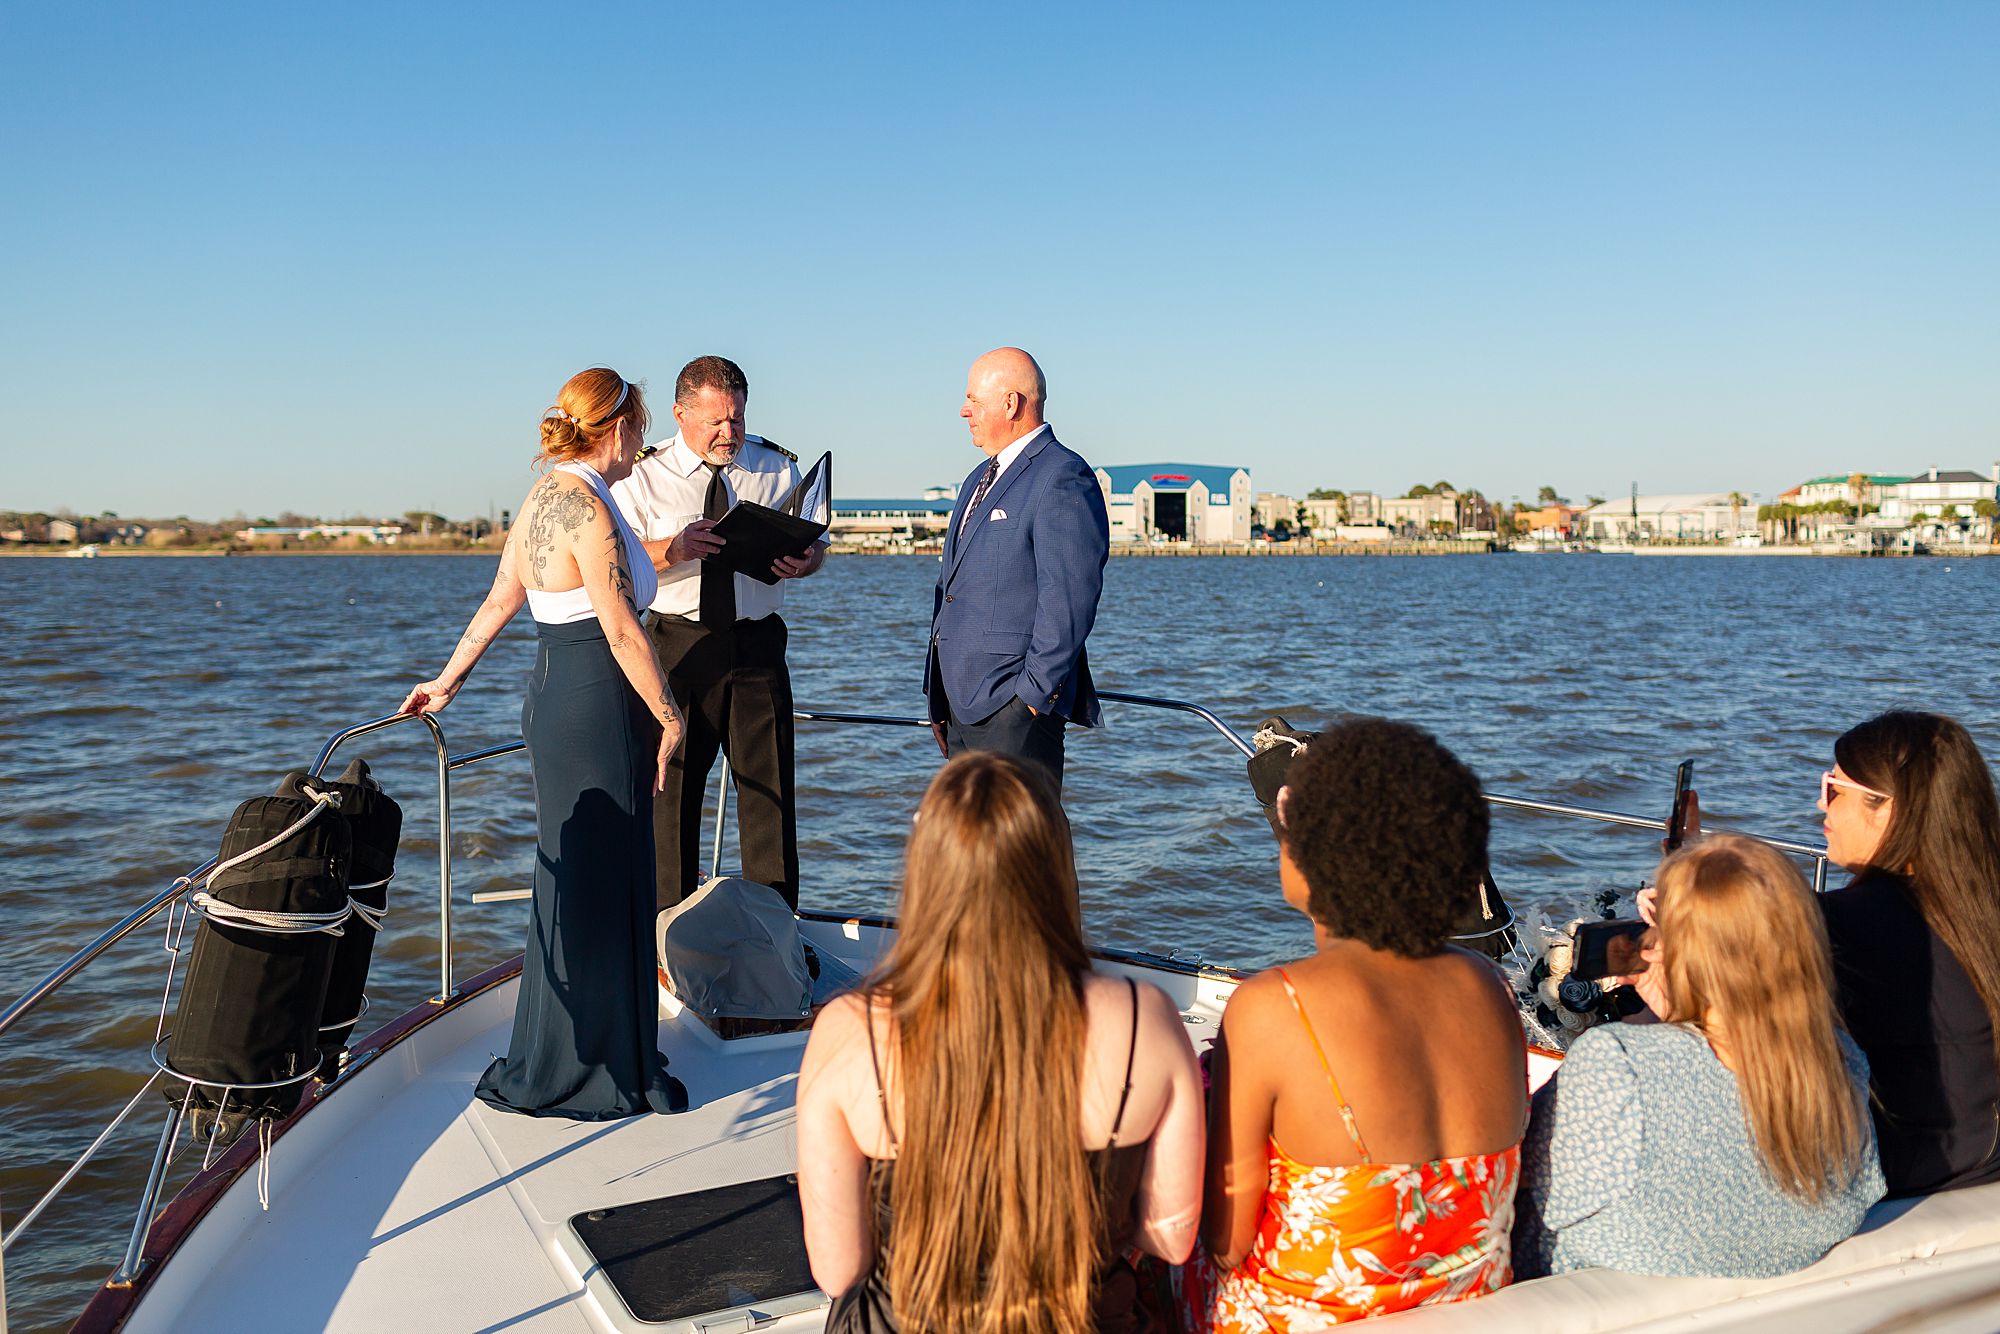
x=1604, y=1299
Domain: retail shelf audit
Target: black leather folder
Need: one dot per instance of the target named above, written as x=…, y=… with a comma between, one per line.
x=753, y=535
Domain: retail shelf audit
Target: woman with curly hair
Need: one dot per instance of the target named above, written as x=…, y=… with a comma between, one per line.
x=1916, y=941
x=1360, y=1163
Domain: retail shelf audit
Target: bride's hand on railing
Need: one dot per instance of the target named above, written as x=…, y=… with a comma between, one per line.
x=428, y=697
x=672, y=729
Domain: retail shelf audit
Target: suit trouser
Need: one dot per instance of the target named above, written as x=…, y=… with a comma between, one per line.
x=736, y=694
x=1034, y=737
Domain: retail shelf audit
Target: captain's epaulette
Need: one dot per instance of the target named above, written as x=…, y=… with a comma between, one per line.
x=645, y=452
x=775, y=446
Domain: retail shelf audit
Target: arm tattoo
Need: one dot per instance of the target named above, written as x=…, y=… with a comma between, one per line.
x=621, y=578
x=666, y=705
x=477, y=641
x=556, y=506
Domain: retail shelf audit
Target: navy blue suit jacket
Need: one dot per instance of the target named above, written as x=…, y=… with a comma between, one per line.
x=1017, y=591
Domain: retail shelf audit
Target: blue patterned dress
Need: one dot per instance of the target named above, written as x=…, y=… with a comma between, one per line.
x=1639, y=1158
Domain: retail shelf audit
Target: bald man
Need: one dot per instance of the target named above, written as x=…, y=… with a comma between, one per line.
x=1018, y=587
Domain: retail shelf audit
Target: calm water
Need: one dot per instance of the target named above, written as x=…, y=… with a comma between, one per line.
x=143, y=699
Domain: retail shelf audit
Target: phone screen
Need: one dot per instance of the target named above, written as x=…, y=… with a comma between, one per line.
x=1607, y=949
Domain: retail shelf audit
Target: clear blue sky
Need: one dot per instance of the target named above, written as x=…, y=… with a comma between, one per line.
x=338, y=258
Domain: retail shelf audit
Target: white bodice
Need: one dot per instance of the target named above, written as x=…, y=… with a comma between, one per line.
x=573, y=604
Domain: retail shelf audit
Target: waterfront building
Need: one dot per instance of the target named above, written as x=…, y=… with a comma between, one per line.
x=1177, y=502
x=1928, y=493
x=1323, y=516
x=1839, y=487
x=386, y=533
x=876, y=522
x=1437, y=512
x=1270, y=507
x=1683, y=517
x=1550, y=522
x=1920, y=503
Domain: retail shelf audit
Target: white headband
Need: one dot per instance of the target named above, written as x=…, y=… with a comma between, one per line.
x=624, y=392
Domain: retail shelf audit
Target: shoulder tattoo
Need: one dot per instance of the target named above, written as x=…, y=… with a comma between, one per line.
x=556, y=506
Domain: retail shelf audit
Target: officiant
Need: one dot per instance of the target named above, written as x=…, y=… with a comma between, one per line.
x=718, y=633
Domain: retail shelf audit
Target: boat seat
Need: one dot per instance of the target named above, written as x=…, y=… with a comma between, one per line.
x=1603, y=1299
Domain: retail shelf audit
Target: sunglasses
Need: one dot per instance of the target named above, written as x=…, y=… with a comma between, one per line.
x=1828, y=783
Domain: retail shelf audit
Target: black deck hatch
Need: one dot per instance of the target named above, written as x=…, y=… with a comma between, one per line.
x=697, y=1260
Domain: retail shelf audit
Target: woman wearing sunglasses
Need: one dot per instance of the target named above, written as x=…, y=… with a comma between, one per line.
x=1910, y=810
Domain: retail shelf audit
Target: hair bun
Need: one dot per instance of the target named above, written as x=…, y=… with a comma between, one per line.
x=562, y=434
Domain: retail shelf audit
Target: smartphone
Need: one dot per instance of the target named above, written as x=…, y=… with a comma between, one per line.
x=1677, y=814
x=1606, y=949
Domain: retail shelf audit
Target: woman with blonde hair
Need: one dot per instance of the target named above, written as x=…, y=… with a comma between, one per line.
x=1732, y=1138
x=600, y=727
x=990, y=1130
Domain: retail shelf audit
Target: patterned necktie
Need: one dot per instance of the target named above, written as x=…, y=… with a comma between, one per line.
x=979, y=493
x=718, y=581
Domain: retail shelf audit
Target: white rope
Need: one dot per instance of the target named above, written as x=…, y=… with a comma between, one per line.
x=370, y=915
x=274, y=923
x=1265, y=738
x=264, y=1163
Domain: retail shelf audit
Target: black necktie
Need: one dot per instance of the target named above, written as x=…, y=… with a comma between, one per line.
x=979, y=492
x=718, y=581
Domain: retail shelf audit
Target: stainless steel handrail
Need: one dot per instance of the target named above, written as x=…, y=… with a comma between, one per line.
x=1818, y=854
x=111, y=935
x=444, y=766
x=1229, y=733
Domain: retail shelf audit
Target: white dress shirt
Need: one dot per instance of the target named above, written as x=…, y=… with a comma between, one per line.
x=668, y=490
x=1005, y=458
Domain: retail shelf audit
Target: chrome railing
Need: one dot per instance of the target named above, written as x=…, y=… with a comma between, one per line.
x=447, y=764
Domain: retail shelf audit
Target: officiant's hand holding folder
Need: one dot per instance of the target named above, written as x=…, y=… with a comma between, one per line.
x=755, y=536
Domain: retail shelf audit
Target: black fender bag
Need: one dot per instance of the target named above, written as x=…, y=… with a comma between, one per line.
x=376, y=824
x=250, y=1006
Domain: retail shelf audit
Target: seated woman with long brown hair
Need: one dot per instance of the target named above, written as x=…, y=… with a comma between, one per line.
x=1916, y=941
x=1368, y=1100
x=989, y=1131
x=1731, y=1139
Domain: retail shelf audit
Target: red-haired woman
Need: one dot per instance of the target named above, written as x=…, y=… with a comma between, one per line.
x=600, y=727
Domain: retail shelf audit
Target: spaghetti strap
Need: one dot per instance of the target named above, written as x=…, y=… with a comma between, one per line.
x=1346, y=1112
x=1131, y=1051
x=875, y=1064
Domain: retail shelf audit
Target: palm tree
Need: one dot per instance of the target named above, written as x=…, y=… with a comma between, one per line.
x=1737, y=500
x=1857, y=487
x=1988, y=509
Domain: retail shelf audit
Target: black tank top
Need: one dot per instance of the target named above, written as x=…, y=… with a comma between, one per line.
x=1117, y=1168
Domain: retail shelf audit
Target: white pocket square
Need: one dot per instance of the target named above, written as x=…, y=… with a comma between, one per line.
x=996, y=515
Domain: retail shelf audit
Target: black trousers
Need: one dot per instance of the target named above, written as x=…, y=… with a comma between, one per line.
x=734, y=690
x=1036, y=738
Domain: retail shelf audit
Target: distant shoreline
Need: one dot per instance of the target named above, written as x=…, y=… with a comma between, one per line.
x=1181, y=550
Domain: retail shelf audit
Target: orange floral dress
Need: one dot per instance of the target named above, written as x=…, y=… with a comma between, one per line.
x=1347, y=1243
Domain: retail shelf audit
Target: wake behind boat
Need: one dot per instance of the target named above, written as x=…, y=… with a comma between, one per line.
x=397, y=1200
